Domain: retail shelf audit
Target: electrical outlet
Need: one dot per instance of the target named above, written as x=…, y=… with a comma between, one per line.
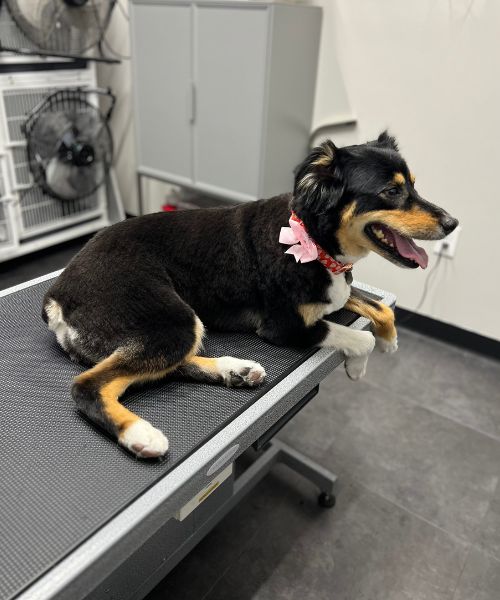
x=448, y=245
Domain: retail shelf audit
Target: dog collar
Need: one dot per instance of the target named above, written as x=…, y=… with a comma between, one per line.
x=305, y=249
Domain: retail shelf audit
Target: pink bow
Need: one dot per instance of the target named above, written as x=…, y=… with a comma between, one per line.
x=301, y=245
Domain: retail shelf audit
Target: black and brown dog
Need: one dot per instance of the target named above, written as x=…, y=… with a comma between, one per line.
x=135, y=301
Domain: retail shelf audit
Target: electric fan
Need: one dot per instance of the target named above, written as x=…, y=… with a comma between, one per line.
x=66, y=28
x=69, y=143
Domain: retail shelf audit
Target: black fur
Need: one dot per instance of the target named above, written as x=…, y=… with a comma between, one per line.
x=139, y=283
x=85, y=394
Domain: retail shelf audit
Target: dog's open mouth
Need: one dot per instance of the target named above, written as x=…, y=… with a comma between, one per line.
x=400, y=247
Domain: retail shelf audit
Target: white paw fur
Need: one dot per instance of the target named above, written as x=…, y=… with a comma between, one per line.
x=389, y=346
x=144, y=440
x=357, y=355
x=355, y=366
x=237, y=372
x=361, y=343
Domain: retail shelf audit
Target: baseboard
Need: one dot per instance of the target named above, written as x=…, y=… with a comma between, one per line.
x=448, y=333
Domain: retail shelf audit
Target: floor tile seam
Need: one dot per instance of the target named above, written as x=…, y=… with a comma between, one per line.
x=437, y=413
x=459, y=578
x=454, y=536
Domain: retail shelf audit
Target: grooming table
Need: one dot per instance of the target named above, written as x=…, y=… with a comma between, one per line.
x=82, y=518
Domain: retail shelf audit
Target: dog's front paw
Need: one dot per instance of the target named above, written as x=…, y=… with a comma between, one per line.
x=356, y=356
x=144, y=440
x=355, y=366
x=387, y=346
x=240, y=373
x=361, y=343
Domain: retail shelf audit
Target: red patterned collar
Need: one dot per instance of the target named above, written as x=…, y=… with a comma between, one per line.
x=305, y=249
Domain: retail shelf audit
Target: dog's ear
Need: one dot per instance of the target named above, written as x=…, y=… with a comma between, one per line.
x=318, y=181
x=387, y=141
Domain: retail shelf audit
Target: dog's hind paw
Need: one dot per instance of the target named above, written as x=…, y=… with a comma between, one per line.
x=144, y=440
x=387, y=346
x=240, y=373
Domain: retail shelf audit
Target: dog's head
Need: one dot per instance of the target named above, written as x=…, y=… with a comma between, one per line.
x=361, y=198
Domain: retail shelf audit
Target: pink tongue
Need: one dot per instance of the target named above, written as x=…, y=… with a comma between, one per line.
x=409, y=249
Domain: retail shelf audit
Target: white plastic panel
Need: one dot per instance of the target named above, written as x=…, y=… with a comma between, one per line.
x=230, y=67
x=163, y=87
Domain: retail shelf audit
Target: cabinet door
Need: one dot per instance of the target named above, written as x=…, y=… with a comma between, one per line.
x=230, y=74
x=162, y=43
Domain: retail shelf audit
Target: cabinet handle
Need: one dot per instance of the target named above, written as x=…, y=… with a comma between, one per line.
x=193, y=103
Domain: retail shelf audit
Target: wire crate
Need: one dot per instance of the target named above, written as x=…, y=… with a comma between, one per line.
x=29, y=218
x=37, y=212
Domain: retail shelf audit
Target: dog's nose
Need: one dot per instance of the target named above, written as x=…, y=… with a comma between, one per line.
x=448, y=223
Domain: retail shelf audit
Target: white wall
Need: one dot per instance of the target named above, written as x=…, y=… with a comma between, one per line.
x=118, y=77
x=430, y=71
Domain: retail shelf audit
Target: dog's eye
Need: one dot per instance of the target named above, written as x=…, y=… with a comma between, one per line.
x=393, y=191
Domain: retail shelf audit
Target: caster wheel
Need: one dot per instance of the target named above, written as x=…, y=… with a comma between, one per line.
x=326, y=500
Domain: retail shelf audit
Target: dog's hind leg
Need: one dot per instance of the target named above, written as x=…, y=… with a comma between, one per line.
x=382, y=318
x=226, y=370
x=97, y=391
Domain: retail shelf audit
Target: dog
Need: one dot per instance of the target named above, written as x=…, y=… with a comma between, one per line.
x=134, y=302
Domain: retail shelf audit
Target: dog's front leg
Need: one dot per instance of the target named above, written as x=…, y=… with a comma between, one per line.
x=356, y=345
x=289, y=328
x=382, y=318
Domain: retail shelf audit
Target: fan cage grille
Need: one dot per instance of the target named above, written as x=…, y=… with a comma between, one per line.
x=76, y=103
x=61, y=40
x=17, y=104
x=38, y=208
x=39, y=212
x=10, y=34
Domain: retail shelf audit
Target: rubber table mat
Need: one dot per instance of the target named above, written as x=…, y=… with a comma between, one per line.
x=60, y=478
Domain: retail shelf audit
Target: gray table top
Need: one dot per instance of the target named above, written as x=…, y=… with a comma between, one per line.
x=61, y=479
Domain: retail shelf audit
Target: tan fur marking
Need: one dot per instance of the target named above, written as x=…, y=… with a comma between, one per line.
x=409, y=222
x=399, y=179
x=351, y=240
x=110, y=393
x=116, y=412
x=382, y=317
x=412, y=177
x=311, y=313
x=203, y=363
x=105, y=365
x=326, y=159
x=412, y=223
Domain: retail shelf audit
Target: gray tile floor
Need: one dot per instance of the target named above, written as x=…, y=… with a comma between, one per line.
x=416, y=445
x=417, y=448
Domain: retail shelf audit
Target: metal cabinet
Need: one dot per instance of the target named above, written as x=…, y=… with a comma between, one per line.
x=224, y=93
